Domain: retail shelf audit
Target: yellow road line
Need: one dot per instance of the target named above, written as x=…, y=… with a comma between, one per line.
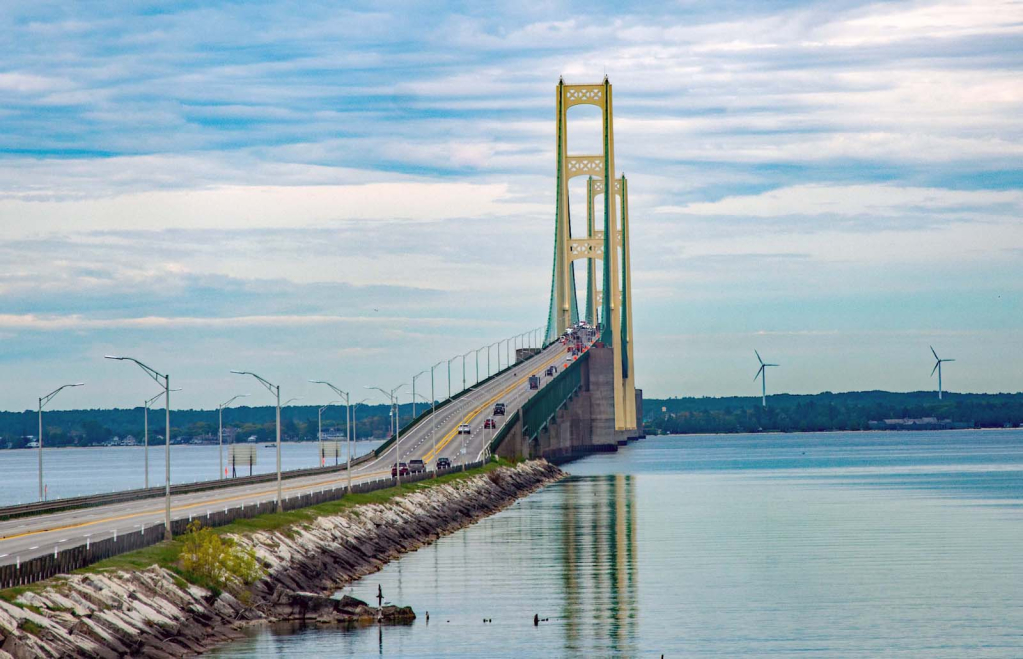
x=200, y=504
x=429, y=456
x=471, y=415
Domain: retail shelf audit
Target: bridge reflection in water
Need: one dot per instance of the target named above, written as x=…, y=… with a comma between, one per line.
x=599, y=575
x=568, y=553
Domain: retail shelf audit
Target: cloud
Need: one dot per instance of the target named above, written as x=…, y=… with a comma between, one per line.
x=863, y=200
x=80, y=323
x=288, y=172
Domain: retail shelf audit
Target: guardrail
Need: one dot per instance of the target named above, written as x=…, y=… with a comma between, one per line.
x=89, y=501
x=541, y=408
x=68, y=560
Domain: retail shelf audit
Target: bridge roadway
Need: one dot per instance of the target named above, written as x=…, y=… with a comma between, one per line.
x=436, y=436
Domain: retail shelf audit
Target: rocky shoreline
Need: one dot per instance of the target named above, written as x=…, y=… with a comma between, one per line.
x=155, y=613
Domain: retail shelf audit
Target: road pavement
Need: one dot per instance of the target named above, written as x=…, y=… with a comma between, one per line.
x=434, y=436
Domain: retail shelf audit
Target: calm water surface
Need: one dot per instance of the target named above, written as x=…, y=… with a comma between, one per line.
x=72, y=472
x=821, y=545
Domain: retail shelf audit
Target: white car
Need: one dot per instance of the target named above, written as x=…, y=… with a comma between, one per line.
x=464, y=429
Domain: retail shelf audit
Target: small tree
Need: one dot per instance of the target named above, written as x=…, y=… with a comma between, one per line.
x=217, y=561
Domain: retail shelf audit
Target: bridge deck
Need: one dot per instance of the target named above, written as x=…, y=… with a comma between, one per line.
x=28, y=537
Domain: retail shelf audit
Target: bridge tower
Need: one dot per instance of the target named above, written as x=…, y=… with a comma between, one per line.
x=608, y=244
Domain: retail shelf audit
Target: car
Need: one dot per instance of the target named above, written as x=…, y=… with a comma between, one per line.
x=464, y=429
x=416, y=466
x=551, y=370
x=403, y=467
x=498, y=409
x=489, y=424
x=443, y=463
x=534, y=382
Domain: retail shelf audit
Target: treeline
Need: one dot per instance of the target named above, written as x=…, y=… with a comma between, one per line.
x=827, y=411
x=95, y=427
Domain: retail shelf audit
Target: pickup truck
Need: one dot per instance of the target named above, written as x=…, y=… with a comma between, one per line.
x=396, y=467
x=416, y=466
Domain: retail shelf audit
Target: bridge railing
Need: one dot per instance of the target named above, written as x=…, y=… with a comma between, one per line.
x=498, y=439
x=62, y=561
x=538, y=411
x=426, y=414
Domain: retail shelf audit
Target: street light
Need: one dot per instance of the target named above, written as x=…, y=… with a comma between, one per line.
x=275, y=390
x=449, y=375
x=348, y=426
x=433, y=433
x=421, y=372
x=498, y=344
x=478, y=363
x=463, y=368
x=166, y=390
x=146, y=433
x=319, y=429
x=397, y=428
x=220, y=436
x=433, y=396
x=42, y=402
x=354, y=437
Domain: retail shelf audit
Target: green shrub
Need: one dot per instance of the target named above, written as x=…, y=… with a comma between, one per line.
x=215, y=560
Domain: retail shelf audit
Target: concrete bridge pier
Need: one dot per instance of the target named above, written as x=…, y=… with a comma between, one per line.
x=583, y=424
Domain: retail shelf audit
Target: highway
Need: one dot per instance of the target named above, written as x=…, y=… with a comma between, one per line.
x=434, y=436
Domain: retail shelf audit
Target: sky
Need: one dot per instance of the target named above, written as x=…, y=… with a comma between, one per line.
x=356, y=191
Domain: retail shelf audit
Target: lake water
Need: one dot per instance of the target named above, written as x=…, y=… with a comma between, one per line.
x=72, y=472
x=819, y=545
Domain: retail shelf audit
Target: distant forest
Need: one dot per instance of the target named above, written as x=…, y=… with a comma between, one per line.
x=95, y=427
x=827, y=411
x=784, y=413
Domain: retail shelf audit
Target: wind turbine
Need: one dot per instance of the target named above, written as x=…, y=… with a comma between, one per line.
x=762, y=374
x=937, y=367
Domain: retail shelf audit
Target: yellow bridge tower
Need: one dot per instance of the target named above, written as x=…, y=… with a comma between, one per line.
x=608, y=307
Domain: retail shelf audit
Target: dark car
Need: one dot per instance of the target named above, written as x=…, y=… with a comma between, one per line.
x=498, y=409
x=443, y=463
x=489, y=424
x=416, y=466
x=404, y=470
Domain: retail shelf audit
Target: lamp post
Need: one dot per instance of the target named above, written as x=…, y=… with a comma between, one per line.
x=220, y=436
x=354, y=439
x=478, y=363
x=449, y=375
x=42, y=403
x=348, y=426
x=433, y=396
x=397, y=428
x=423, y=372
x=463, y=368
x=146, y=433
x=433, y=433
x=498, y=343
x=167, y=436
x=319, y=429
x=275, y=390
